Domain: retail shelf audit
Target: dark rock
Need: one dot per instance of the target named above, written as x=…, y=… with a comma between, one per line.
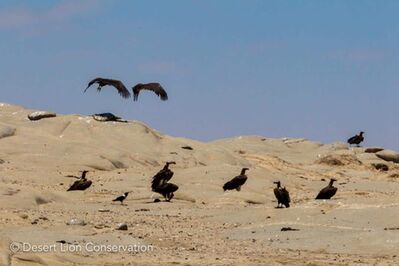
x=380, y=166
x=289, y=229
x=122, y=226
x=187, y=148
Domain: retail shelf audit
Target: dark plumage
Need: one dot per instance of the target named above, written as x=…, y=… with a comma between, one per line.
x=328, y=191
x=117, y=84
x=155, y=87
x=160, y=183
x=282, y=195
x=104, y=117
x=166, y=190
x=122, y=197
x=356, y=139
x=237, y=181
x=163, y=176
x=81, y=184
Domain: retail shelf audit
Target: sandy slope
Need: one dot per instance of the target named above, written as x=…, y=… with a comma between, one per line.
x=203, y=224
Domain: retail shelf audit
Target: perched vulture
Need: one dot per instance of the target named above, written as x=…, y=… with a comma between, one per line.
x=121, y=198
x=328, y=191
x=122, y=90
x=155, y=87
x=81, y=184
x=163, y=176
x=105, y=117
x=282, y=196
x=237, y=181
x=356, y=139
x=160, y=182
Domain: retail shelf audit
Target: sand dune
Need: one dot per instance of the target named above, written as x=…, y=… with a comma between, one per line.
x=202, y=224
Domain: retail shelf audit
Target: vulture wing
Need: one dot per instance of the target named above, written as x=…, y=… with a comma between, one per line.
x=285, y=197
x=117, y=84
x=155, y=87
x=327, y=193
x=161, y=178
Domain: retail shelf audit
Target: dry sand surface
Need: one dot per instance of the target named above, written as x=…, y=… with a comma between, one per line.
x=202, y=225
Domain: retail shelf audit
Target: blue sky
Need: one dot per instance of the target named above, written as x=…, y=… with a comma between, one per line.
x=321, y=70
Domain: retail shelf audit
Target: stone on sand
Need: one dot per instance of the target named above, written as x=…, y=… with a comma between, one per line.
x=40, y=115
x=122, y=226
x=388, y=155
x=6, y=131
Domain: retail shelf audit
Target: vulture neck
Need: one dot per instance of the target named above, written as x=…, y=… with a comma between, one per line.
x=84, y=175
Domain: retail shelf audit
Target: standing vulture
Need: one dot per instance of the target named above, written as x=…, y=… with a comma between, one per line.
x=122, y=90
x=237, y=181
x=356, y=139
x=160, y=183
x=163, y=176
x=328, y=191
x=155, y=87
x=81, y=184
x=282, y=196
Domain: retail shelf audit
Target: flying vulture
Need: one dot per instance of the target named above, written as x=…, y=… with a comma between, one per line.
x=81, y=184
x=282, y=195
x=328, y=191
x=122, y=90
x=121, y=198
x=155, y=87
x=160, y=183
x=356, y=139
x=237, y=181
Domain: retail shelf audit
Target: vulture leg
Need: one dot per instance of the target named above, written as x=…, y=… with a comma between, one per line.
x=239, y=188
x=171, y=195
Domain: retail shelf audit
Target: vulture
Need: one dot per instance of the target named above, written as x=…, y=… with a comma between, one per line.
x=356, y=139
x=166, y=190
x=328, y=191
x=155, y=87
x=160, y=183
x=81, y=184
x=282, y=195
x=237, y=181
x=121, y=198
x=104, y=117
x=117, y=84
x=163, y=176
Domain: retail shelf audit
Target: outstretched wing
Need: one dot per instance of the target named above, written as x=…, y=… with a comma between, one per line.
x=117, y=84
x=155, y=87
x=122, y=90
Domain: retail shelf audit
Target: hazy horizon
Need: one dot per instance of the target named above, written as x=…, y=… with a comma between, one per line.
x=307, y=69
